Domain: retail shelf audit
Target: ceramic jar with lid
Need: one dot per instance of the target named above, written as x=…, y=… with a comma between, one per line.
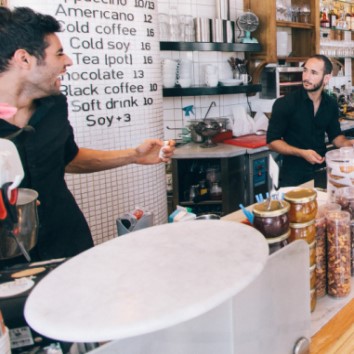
x=303, y=204
x=338, y=253
x=303, y=231
x=271, y=218
x=276, y=243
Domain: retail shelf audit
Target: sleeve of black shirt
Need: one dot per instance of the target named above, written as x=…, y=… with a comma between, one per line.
x=333, y=129
x=279, y=120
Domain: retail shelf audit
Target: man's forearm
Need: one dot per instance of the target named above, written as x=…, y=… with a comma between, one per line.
x=281, y=147
x=88, y=160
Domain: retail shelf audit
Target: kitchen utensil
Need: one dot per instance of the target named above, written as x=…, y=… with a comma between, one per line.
x=9, y=218
x=273, y=169
x=212, y=104
x=208, y=128
x=194, y=135
x=247, y=213
x=19, y=237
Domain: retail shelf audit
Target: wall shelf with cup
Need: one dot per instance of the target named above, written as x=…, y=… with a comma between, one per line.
x=300, y=20
x=206, y=46
x=204, y=90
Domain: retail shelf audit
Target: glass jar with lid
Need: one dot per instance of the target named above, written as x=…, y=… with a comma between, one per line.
x=303, y=204
x=276, y=243
x=321, y=248
x=271, y=217
x=303, y=231
x=338, y=253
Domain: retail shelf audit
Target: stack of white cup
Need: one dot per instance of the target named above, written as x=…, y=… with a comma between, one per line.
x=169, y=72
x=211, y=75
x=184, y=73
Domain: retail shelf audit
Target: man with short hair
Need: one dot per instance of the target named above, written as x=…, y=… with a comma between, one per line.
x=31, y=63
x=299, y=122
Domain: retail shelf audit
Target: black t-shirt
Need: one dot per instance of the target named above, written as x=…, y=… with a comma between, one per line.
x=293, y=120
x=45, y=150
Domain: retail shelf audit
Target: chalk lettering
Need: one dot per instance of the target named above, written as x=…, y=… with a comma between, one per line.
x=97, y=75
x=92, y=105
x=115, y=28
x=107, y=120
x=111, y=60
x=88, y=13
x=69, y=90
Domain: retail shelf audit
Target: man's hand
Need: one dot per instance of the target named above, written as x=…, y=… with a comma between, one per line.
x=148, y=152
x=312, y=157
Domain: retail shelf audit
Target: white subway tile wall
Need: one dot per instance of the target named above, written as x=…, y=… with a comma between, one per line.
x=173, y=115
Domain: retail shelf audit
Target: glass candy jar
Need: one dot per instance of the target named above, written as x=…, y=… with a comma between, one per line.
x=338, y=253
x=271, y=218
x=303, y=204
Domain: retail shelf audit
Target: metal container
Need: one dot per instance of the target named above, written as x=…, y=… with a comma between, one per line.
x=202, y=29
x=196, y=138
x=27, y=225
x=223, y=9
x=208, y=217
x=217, y=30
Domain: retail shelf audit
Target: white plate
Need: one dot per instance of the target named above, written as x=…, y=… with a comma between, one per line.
x=231, y=82
x=15, y=287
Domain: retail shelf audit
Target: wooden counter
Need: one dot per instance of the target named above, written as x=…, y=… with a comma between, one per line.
x=337, y=336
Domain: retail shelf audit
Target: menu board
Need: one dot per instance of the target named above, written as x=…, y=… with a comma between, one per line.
x=114, y=97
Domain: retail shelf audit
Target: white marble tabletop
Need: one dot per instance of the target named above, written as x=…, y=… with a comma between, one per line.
x=146, y=281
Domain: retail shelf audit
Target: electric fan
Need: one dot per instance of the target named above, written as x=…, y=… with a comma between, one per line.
x=248, y=22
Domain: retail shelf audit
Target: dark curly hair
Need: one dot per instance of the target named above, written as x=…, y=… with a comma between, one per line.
x=26, y=29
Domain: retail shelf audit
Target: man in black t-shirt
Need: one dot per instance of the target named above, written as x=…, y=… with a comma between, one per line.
x=31, y=63
x=299, y=124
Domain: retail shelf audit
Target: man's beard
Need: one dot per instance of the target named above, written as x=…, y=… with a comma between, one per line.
x=315, y=87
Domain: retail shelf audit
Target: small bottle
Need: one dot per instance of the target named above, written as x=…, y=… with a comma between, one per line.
x=332, y=18
x=324, y=22
x=348, y=19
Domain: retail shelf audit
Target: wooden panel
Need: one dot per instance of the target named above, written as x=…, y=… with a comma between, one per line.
x=337, y=336
x=266, y=32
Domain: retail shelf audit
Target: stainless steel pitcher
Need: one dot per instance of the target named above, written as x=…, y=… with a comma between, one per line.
x=27, y=234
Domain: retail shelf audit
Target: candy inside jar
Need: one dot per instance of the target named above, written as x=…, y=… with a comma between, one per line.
x=271, y=218
x=338, y=253
x=303, y=204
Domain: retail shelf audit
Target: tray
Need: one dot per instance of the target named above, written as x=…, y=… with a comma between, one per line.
x=251, y=141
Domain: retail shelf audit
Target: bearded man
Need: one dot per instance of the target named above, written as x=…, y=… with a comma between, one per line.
x=299, y=124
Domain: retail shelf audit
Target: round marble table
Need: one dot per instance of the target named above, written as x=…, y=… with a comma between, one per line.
x=147, y=280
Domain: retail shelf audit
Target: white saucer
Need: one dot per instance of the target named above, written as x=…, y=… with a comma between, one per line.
x=15, y=287
x=231, y=82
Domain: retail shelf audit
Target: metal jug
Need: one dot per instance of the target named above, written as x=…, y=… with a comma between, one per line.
x=27, y=234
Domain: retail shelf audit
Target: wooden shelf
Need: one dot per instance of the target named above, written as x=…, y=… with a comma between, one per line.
x=291, y=83
x=199, y=46
x=290, y=24
x=207, y=91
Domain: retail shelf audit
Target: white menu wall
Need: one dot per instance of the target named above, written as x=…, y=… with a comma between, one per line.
x=115, y=101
